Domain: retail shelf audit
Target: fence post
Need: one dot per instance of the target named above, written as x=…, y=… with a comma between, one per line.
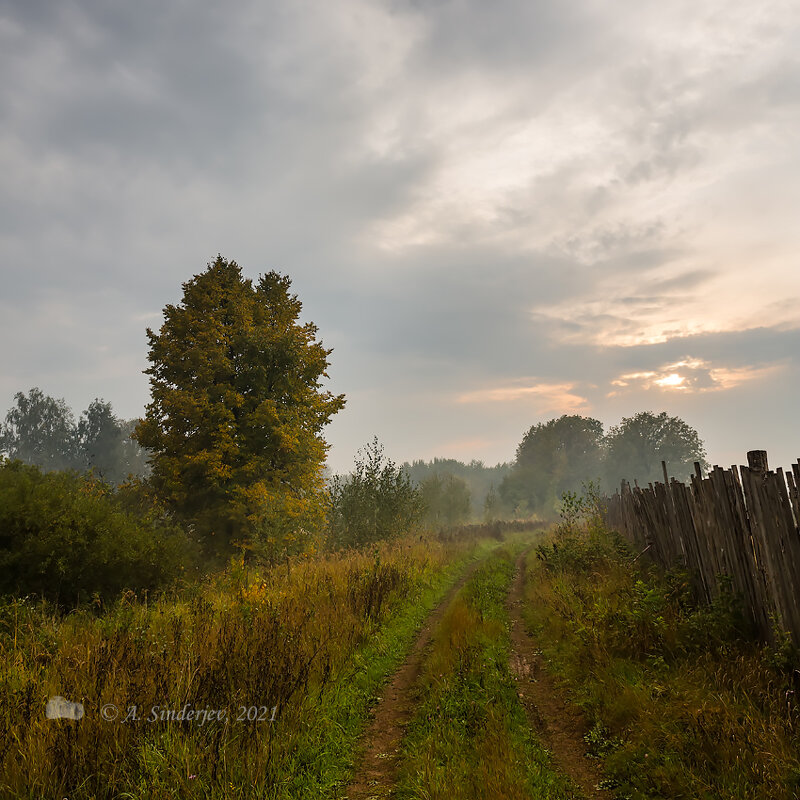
x=757, y=461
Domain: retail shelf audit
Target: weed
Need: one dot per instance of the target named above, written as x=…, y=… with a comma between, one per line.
x=683, y=704
x=313, y=642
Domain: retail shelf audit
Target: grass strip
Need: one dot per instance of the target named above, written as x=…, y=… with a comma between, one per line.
x=470, y=737
x=682, y=704
x=324, y=758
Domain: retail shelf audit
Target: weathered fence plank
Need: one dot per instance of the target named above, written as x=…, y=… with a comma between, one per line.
x=740, y=523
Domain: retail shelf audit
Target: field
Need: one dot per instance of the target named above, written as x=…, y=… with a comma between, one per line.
x=401, y=670
x=306, y=645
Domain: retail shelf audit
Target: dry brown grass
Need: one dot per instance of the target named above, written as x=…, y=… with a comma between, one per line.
x=287, y=638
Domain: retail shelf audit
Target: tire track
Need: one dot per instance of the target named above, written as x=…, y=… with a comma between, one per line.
x=561, y=726
x=377, y=767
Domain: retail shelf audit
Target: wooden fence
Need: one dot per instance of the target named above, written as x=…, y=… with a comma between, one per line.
x=738, y=522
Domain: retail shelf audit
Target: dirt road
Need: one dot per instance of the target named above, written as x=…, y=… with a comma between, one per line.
x=377, y=768
x=560, y=726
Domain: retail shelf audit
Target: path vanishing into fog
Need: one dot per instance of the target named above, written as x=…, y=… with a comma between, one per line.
x=376, y=771
x=559, y=726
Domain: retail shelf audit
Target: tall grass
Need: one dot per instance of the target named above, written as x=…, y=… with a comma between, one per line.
x=682, y=703
x=308, y=643
x=470, y=738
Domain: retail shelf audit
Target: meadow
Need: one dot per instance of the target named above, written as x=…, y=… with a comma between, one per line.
x=261, y=681
x=307, y=645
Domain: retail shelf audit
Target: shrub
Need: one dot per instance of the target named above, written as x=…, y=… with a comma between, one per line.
x=376, y=501
x=66, y=537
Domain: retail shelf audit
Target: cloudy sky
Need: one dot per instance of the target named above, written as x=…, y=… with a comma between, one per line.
x=495, y=213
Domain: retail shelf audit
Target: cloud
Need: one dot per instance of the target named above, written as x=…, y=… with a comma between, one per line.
x=542, y=398
x=694, y=375
x=462, y=194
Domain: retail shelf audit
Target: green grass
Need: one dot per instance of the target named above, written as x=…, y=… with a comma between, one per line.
x=317, y=641
x=682, y=704
x=470, y=737
x=326, y=753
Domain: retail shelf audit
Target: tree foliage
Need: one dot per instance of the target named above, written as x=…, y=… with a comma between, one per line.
x=479, y=478
x=67, y=537
x=234, y=425
x=105, y=445
x=100, y=439
x=559, y=456
x=637, y=446
x=553, y=457
x=40, y=430
x=446, y=500
x=376, y=501
x=492, y=506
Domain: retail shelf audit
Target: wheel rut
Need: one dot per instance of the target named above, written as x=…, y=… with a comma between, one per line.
x=376, y=769
x=560, y=726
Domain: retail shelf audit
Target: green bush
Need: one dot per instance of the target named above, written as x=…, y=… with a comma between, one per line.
x=647, y=611
x=376, y=501
x=67, y=537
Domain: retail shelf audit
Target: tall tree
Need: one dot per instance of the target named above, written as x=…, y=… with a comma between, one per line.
x=553, y=457
x=234, y=425
x=40, y=430
x=134, y=456
x=636, y=447
x=104, y=444
x=100, y=441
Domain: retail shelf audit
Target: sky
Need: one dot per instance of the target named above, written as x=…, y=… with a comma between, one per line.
x=495, y=213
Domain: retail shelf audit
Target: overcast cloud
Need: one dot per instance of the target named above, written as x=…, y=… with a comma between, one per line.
x=495, y=212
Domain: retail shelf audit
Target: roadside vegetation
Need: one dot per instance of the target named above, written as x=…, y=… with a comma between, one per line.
x=681, y=702
x=375, y=502
x=307, y=645
x=71, y=538
x=469, y=737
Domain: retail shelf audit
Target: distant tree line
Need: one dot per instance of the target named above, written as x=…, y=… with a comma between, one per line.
x=560, y=455
x=379, y=499
x=457, y=492
x=42, y=431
